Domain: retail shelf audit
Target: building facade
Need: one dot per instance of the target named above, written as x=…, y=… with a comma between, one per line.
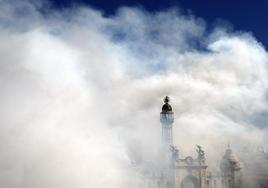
x=188, y=172
x=192, y=171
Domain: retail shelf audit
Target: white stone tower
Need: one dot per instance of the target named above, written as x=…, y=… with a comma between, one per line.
x=167, y=119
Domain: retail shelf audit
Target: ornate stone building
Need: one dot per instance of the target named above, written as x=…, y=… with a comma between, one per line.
x=189, y=172
x=192, y=172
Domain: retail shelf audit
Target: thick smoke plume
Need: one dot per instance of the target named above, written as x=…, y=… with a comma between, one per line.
x=81, y=92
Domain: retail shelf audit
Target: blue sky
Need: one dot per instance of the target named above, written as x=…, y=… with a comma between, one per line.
x=248, y=15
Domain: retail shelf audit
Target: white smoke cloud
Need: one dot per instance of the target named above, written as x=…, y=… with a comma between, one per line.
x=81, y=93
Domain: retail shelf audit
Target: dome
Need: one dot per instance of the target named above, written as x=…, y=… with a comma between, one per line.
x=166, y=107
x=229, y=161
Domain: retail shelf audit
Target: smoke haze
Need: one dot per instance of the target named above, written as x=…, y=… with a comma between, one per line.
x=81, y=92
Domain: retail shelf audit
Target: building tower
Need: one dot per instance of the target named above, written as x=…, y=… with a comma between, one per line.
x=167, y=119
x=230, y=167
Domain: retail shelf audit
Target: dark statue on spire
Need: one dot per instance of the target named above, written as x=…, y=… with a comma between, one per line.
x=201, y=154
x=175, y=152
x=166, y=107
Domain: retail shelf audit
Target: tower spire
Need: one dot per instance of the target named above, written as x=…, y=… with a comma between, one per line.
x=167, y=119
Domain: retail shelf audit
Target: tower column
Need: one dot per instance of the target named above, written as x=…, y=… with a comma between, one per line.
x=167, y=119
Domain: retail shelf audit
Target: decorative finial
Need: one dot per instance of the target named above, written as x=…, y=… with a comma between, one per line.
x=229, y=150
x=166, y=99
x=166, y=107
